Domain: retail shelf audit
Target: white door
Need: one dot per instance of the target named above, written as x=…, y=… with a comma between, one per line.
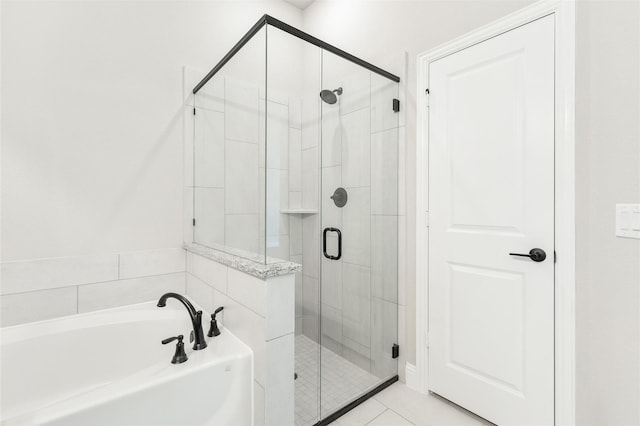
x=491, y=193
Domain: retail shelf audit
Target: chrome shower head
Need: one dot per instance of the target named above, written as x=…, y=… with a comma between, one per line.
x=329, y=96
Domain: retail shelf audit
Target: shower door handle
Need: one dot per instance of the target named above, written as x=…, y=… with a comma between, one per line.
x=324, y=243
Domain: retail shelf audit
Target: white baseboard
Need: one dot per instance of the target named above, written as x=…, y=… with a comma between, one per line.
x=411, y=377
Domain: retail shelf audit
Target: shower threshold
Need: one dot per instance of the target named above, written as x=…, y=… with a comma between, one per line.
x=342, y=383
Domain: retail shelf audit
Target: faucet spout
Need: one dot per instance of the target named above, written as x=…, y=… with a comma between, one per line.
x=196, y=318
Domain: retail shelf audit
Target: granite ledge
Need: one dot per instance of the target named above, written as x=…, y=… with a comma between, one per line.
x=246, y=262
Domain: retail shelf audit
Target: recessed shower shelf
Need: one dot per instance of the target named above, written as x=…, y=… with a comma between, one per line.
x=299, y=211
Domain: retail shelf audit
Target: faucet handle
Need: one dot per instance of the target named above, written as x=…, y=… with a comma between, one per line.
x=171, y=339
x=213, y=329
x=216, y=312
x=179, y=356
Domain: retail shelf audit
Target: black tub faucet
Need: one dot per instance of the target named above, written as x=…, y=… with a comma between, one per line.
x=196, y=318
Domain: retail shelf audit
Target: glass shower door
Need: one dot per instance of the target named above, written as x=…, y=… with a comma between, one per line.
x=359, y=226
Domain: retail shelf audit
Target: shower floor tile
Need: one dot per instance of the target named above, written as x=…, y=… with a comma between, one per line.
x=342, y=381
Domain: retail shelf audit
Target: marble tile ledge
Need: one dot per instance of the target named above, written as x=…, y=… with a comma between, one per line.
x=246, y=262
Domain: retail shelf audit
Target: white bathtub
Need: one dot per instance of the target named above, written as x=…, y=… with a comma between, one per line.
x=109, y=368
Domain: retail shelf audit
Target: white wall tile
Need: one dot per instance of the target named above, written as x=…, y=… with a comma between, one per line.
x=310, y=327
x=278, y=248
x=384, y=257
x=277, y=136
x=248, y=290
x=356, y=294
x=310, y=307
x=384, y=172
x=356, y=89
x=151, y=262
x=295, y=160
x=356, y=353
x=277, y=200
x=310, y=300
x=201, y=293
x=248, y=327
x=310, y=178
x=299, y=322
x=278, y=96
x=298, y=284
x=295, y=199
x=295, y=235
x=42, y=274
x=241, y=112
x=331, y=136
x=331, y=180
x=279, y=393
x=209, y=146
x=356, y=146
x=209, y=215
x=310, y=245
x=242, y=231
x=295, y=113
x=242, y=180
x=212, y=273
x=280, y=309
x=310, y=119
x=92, y=297
x=356, y=219
x=332, y=282
x=38, y=305
x=332, y=322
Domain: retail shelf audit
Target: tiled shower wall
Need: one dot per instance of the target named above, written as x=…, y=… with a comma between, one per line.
x=39, y=289
x=229, y=167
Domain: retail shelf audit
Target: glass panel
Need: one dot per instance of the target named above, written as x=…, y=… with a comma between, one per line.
x=358, y=290
x=228, y=142
x=292, y=226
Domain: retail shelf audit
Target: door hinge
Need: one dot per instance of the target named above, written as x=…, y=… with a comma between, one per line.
x=396, y=105
x=194, y=110
x=555, y=257
x=194, y=222
x=395, y=351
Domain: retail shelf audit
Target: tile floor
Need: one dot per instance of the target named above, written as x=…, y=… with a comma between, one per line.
x=342, y=381
x=400, y=406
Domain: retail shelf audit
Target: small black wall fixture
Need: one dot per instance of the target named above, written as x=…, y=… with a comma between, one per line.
x=270, y=20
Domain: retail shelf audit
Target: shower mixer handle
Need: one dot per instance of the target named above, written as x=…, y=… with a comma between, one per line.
x=324, y=243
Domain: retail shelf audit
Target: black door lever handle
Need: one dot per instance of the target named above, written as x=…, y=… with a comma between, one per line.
x=535, y=254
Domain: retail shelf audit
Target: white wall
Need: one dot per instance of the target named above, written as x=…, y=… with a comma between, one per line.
x=608, y=172
x=92, y=118
x=379, y=32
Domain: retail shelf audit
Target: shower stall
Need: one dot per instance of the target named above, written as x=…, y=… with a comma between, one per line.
x=296, y=159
